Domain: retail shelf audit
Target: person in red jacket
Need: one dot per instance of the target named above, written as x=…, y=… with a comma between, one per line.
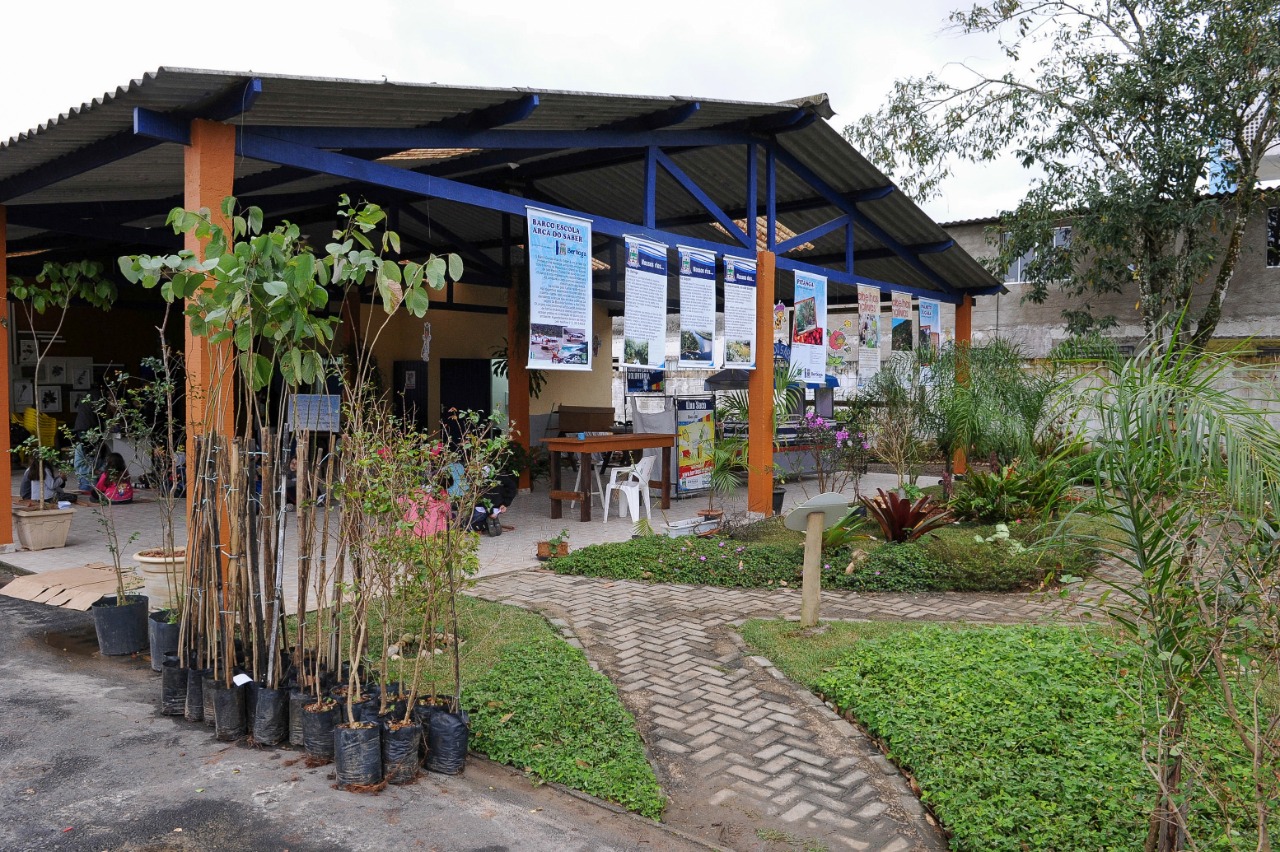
x=113, y=483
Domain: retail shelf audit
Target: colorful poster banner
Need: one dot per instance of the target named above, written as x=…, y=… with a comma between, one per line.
x=697, y=308
x=644, y=321
x=900, y=332
x=930, y=325
x=808, y=328
x=739, y=313
x=559, y=291
x=868, y=334
x=842, y=347
x=695, y=440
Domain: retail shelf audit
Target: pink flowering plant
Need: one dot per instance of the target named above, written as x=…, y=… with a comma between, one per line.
x=838, y=448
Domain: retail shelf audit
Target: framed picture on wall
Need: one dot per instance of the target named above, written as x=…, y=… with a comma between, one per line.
x=80, y=373
x=50, y=400
x=23, y=396
x=27, y=353
x=73, y=399
x=53, y=371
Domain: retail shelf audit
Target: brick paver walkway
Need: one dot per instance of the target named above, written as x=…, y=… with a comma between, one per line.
x=739, y=745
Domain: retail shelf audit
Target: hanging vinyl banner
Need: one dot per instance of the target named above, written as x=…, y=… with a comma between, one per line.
x=868, y=333
x=930, y=325
x=900, y=332
x=697, y=308
x=559, y=291
x=644, y=321
x=739, y=313
x=808, y=328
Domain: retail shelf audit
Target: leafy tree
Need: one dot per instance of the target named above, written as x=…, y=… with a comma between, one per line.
x=1132, y=110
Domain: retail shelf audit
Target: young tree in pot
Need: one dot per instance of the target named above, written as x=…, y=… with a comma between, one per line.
x=54, y=289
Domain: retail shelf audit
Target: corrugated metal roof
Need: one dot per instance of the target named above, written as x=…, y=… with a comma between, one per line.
x=140, y=188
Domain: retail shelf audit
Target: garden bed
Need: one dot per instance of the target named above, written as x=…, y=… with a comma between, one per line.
x=767, y=555
x=536, y=704
x=1018, y=738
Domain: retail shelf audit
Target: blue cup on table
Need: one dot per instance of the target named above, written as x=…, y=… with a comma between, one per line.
x=582, y=436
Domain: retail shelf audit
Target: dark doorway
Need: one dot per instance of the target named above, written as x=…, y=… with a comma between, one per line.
x=410, y=389
x=465, y=384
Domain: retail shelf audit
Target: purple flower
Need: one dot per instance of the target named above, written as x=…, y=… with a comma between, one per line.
x=865, y=445
x=721, y=544
x=702, y=559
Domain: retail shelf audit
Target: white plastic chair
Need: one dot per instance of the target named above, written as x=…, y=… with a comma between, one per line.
x=631, y=482
x=596, y=461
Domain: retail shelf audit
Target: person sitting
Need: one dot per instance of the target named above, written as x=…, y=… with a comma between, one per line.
x=487, y=515
x=50, y=489
x=113, y=483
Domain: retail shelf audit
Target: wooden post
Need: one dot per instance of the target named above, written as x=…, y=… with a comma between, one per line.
x=6, y=467
x=517, y=371
x=964, y=338
x=760, y=393
x=811, y=578
x=209, y=174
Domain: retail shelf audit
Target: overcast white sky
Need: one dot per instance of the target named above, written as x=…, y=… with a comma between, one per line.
x=59, y=53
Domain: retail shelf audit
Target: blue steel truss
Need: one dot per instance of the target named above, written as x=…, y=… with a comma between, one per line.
x=303, y=151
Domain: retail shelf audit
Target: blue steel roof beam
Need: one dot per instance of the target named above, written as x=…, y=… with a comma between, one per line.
x=379, y=174
x=230, y=103
x=702, y=198
x=99, y=230
x=408, y=138
x=811, y=234
x=837, y=276
x=460, y=245
x=803, y=172
x=880, y=253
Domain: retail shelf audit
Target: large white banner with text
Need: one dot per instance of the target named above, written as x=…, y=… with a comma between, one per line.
x=559, y=291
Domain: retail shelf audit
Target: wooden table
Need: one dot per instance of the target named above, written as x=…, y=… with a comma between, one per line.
x=604, y=444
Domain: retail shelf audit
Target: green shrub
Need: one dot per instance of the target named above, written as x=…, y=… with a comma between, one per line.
x=894, y=567
x=1019, y=492
x=542, y=708
x=946, y=560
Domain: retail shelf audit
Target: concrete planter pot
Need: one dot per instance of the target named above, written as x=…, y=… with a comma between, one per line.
x=42, y=529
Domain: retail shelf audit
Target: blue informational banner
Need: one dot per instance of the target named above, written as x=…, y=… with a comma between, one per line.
x=559, y=291
x=697, y=308
x=808, y=329
x=644, y=320
x=739, y=313
x=645, y=381
x=930, y=325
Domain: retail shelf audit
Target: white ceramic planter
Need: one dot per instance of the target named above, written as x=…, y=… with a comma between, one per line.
x=42, y=529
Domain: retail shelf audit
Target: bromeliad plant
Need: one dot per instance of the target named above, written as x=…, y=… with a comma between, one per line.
x=901, y=519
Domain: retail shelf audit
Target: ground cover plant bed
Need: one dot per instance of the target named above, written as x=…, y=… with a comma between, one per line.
x=536, y=704
x=767, y=555
x=1022, y=737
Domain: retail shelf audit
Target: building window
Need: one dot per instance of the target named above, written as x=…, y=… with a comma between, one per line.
x=1017, y=271
x=1273, y=237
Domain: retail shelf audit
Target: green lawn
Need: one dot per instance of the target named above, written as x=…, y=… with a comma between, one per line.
x=1021, y=737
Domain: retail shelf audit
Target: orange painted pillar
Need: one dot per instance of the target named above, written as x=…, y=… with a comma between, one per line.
x=209, y=175
x=964, y=338
x=6, y=461
x=760, y=393
x=517, y=372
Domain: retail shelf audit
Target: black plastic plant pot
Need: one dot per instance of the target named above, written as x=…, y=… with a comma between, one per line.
x=271, y=717
x=297, y=700
x=173, y=689
x=367, y=710
x=447, y=741
x=121, y=629
x=317, y=732
x=195, y=694
x=357, y=751
x=229, y=719
x=207, y=685
x=251, y=701
x=779, y=494
x=163, y=638
x=401, y=752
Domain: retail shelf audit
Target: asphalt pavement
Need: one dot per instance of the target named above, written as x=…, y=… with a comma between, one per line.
x=88, y=763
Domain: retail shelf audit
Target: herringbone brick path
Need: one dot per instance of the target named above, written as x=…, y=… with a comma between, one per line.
x=741, y=748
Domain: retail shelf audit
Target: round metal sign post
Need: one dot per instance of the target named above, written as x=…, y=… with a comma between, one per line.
x=813, y=516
